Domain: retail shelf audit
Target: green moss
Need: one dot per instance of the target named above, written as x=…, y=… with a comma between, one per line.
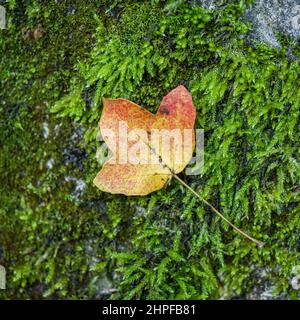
x=59, y=242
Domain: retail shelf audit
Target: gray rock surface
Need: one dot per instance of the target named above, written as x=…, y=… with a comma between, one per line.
x=269, y=17
x=272, y=16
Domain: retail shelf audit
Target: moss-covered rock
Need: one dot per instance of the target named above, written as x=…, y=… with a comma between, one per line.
x=60, y=237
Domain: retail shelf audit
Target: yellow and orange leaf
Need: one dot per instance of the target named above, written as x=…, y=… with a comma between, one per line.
x=118, y=175
x=175, y=114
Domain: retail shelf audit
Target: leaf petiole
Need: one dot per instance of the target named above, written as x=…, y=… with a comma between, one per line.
x=259, y=243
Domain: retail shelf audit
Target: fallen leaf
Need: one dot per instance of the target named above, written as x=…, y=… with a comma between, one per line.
x=176, y=115
x=176, y=112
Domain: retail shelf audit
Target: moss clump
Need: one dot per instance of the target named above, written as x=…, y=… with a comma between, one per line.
x=61, y=241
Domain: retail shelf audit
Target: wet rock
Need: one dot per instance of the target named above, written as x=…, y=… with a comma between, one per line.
x=79, y=185
x=50, y=164
x=268, y=18
x=210, y=4
x=73, y=154
x=264, y=287
x=140, y=211
x=45, y=130
x=71, y=9
x=104, y=288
